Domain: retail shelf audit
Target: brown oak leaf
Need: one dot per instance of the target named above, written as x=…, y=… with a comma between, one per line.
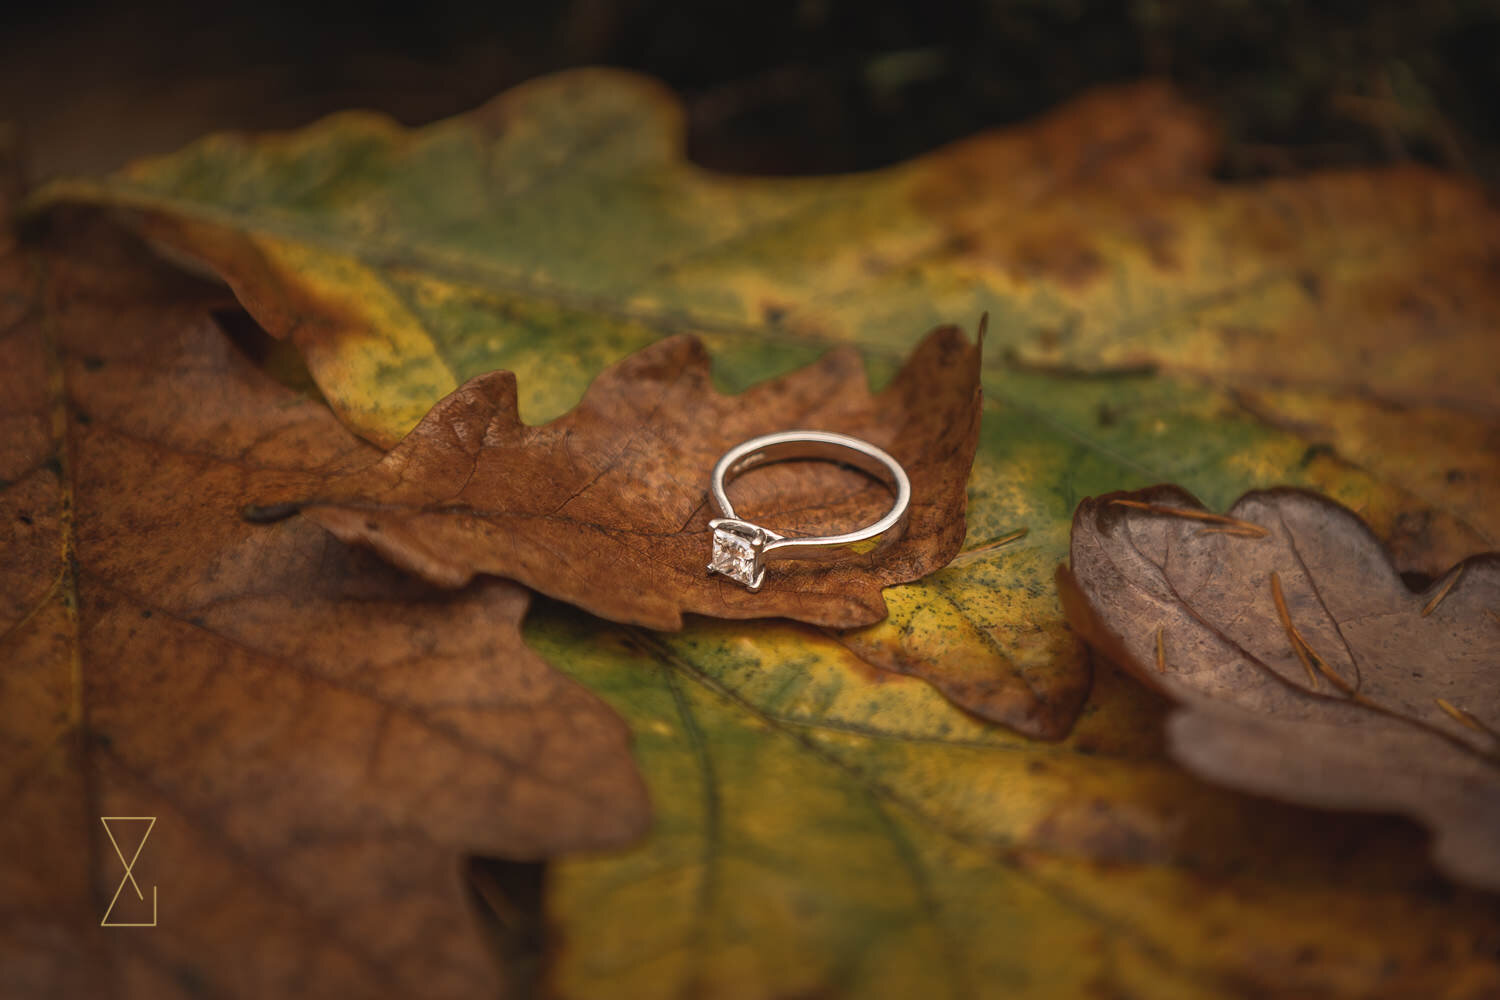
x=317, y=737
x=607, y=507
x=1303, y=665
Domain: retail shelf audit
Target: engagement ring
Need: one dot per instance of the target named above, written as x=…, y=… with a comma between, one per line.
x=741, y=549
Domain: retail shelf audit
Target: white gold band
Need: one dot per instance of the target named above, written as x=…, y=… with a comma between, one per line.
x=741, y=548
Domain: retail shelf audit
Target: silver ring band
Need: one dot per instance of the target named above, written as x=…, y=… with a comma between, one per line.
x=741, y=548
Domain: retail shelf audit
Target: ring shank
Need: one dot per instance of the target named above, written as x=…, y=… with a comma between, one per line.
x=827, y=446
x=788, y=450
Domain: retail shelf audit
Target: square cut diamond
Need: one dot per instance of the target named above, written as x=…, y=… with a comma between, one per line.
x=733, y=556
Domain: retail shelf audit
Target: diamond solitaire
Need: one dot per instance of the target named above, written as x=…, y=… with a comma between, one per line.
x=737, y=557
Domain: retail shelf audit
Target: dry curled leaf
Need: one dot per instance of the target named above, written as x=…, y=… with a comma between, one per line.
x=1304, y=666
x=319, y=737
x=607, y=507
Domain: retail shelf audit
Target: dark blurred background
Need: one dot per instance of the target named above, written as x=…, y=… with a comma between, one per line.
x=771, y=87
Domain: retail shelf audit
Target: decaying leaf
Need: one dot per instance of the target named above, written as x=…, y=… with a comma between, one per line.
x=1305, y=667
x=318, y=737
x=608, y=506
x=821, y=829
x=563, y=213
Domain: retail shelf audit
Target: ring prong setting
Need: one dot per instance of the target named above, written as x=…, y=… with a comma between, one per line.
x=738, y=547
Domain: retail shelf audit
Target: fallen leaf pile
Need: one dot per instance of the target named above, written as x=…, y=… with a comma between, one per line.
x=944, y=803
x=1306, y=668
x=559, y=228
